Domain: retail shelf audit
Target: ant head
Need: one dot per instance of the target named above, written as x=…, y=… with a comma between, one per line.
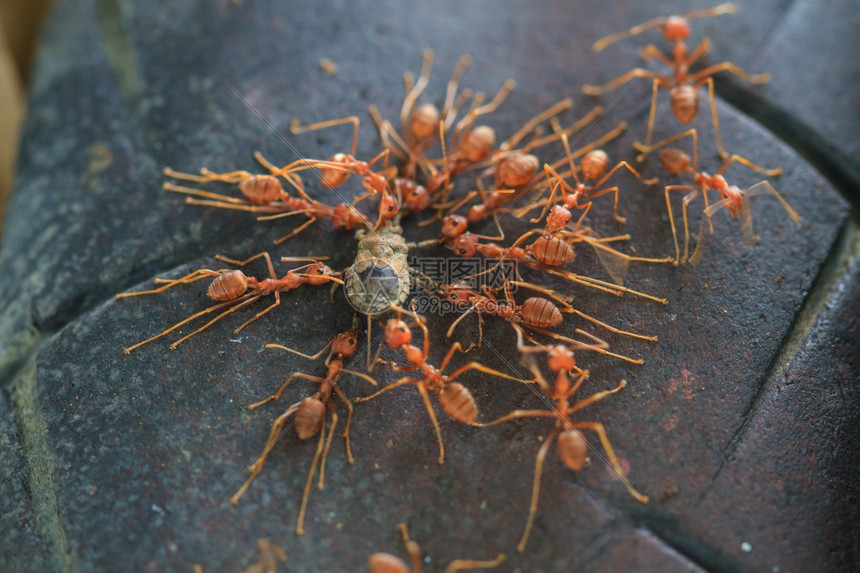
x=466, y=245
x=674, y=160
x=318, y=273
x=560, y=358
x=332, y=177
x=733, y=198
x=477, y=144
x=424, y=120
x=676, y=29
x=345, y=343
x=594, y=164
x=414, y=196
x=454, y=226
x=684, y=101
x=345, y=217
x=397, y=333
x=477, y=213
x=518, y=169
x=389, y=206
x=459, y=292
x=557, y=219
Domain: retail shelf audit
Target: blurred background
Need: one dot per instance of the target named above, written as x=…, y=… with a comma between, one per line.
x=20, y=22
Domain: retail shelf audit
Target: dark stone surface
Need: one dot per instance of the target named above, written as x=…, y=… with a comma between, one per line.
x=145, y=450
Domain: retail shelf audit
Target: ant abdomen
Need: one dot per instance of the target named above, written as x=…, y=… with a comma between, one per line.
x=309, y=419
x=572, y=449
x=262, y=189
x=540, y=312
x=458, y=402
x=228, y=286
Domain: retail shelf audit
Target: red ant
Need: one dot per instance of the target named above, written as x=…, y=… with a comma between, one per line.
x=266, y=194
x=681, y=84
x=593, y=167
x=420, y=125
x=538, y=314
x=572, y=446
x=454, y=398
x=554, y=247
x=546, y=253
x=340, y=166
x=732, y=198
x=235, y=290
x=309, y=414
x=388, y=563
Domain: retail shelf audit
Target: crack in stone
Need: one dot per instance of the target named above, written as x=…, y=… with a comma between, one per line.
x=846, y=252
x=38, y=466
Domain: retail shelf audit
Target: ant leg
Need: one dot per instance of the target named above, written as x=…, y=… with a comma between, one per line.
x=702, y=49
x=651, y=115
x=598, y=244
x=206, y=176
x=486, y=370
x=387, y=134
x=283, y=387
x=531, y=124
x=217, y=197
x=650, y=52
x=251, y=298
x=515, y=415
x=296, y=128
x=274, y=434
x=423, y=391
x=497, y=100
x=349, y=408
x=623, y=79
x=247, y=261
x=294, y=232
x=259, y=314
x=604, y=286
x=307, y=491
x=186, y=321
x=690, y=132
x=521, y=546
x=449, y=106
x=463, y=564
x=689, y=198
x=414, y=90
x=605, y=41
x=393, y=385
x=334, y=419
x=170, y=283
x=750, y=164
x=413, y=549
x=596, y=397
x=604, y=439
x=732, y=69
